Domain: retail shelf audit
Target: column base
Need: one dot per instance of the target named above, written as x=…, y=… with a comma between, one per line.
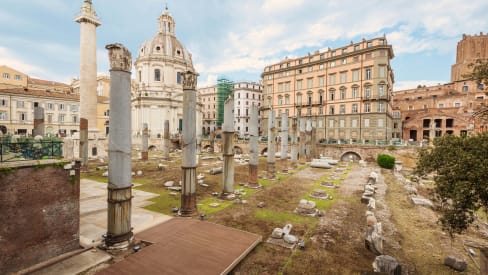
x=188, y=205
x=144, y=156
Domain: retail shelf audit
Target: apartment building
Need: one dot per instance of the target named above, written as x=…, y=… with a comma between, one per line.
x=208, y=98
x=246, y=94
x=345, y=92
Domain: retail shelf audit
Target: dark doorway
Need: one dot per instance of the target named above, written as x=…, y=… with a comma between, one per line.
x=413, y=135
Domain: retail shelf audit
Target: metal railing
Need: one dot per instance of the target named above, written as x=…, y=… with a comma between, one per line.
x=30, y=150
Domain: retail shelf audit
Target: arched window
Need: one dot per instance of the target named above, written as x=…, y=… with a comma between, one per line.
x=178, y=78
x=157, y=75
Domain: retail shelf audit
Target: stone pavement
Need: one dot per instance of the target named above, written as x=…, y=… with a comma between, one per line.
x=93, y=212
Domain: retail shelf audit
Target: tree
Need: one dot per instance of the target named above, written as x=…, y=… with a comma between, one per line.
x=461, y=177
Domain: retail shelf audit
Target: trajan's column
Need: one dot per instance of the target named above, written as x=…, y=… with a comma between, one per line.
x=89, y=21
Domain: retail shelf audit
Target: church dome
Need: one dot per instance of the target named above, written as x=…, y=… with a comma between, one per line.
x=165, y=45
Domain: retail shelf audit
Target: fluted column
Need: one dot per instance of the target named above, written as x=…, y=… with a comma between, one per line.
x=119, y=230
x=189, y=145
x=254, y=147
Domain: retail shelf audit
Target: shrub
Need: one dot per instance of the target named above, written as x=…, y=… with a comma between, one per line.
x=386, y=161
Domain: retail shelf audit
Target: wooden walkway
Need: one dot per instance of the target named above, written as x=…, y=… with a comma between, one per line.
x=187, y=246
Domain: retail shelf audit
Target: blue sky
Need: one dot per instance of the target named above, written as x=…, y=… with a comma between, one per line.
x=237, y=39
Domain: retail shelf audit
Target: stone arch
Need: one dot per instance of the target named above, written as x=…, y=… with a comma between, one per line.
x=265, y=150
x=152, y=147
x=351, y=155
x=207, y=148
x=238, y=150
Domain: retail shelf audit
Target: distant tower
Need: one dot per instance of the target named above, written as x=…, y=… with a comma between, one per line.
x=89, y=21
x=469, y=49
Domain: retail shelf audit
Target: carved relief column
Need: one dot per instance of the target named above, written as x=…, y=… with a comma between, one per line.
x=119, y=230
x=189, y=146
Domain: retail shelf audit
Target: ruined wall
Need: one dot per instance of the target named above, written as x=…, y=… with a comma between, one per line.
x=39, y=210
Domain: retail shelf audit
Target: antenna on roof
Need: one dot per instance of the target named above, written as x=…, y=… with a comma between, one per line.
x=166, y=8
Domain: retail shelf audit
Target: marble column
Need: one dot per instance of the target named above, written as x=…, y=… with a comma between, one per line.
x=308, y=141
x=294, y=145
x=228, y=147
x=301, y=148
x=166, y=141
x=284, y=142
x=88, y=21
x=212, y=142
x=119, y=230
x=189, y=144
x=38, y=121
x=253, y=148
x=313, y=141
x=271, y=145
x=145, y=140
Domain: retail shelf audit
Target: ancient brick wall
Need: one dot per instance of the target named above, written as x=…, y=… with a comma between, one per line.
x=39, y=210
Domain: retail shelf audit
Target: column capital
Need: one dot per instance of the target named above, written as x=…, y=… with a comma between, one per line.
x=189, y=80
x=120, y=57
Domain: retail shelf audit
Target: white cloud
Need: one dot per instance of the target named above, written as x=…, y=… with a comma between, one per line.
x=412, y=84
x=211, y=80
x=9, y=59
x=277, y=6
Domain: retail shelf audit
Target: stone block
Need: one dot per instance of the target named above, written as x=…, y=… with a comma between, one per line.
x=455, y=263
x=387, y=264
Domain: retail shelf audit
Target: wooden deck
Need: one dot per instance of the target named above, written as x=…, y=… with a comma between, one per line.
x=187, y=246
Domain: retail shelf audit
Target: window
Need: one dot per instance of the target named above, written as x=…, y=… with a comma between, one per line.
x=357, y=47
x=49, y=118
x=343, y=77
x=322, y=56
x=380, y=122
x=332, y=64
x=354, y=123
x=382, y=71
x=22, y=116
x=368, y=74
x=342, y=109
x=344, y=61
x=331, y=110
x=62, y=107
x=333, y=53
x=396, y=114
x=287, y=99
x=310, y=69
x=395, y=125
x=331, y=123
x=457, y=104
x=299, y=84
x=370, y=44
x=332, y=79
x=344, y=51
x=321, y=97
x=3, y=102
x=309, y=98
x=321, y=66
x=480, y=86
x=280, y=100
x=61, y=118
x=309, y=83
x=355, y=92
x=343, y=93
x=342, y=123
x=75, y=119
x=20, y=104
x=465, y=88
x=299, y=99
x=331, y=95
x=280, y=87
x=355, y=75
x=367, y=92
x=367, y=107
x=354, y=108
x=6, y=75
x=366, y=122
x=3, y=116
x=309, y=111
x=179, y=77
x=381, y=90
x=321, y=81
x=17, y=77
x=157, y=75
x=287, y=88
x=441, y=105
x=381, y=107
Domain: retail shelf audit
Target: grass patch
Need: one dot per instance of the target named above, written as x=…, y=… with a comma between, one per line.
x=95, y=178
x=284, y=218
x=204, y=206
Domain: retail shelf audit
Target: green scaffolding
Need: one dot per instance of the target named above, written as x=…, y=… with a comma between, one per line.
x=225, y=88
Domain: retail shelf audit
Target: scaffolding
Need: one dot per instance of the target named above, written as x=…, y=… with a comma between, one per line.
x=225, y=88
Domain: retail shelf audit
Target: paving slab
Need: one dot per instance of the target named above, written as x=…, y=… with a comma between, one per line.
x=76, y=264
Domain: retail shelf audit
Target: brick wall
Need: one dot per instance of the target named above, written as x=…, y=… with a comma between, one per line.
x=39, y=210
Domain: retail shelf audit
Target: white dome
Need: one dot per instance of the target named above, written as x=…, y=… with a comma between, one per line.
x=164, y=45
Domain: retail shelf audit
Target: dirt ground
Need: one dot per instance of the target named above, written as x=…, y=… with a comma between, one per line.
x=334, y=243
